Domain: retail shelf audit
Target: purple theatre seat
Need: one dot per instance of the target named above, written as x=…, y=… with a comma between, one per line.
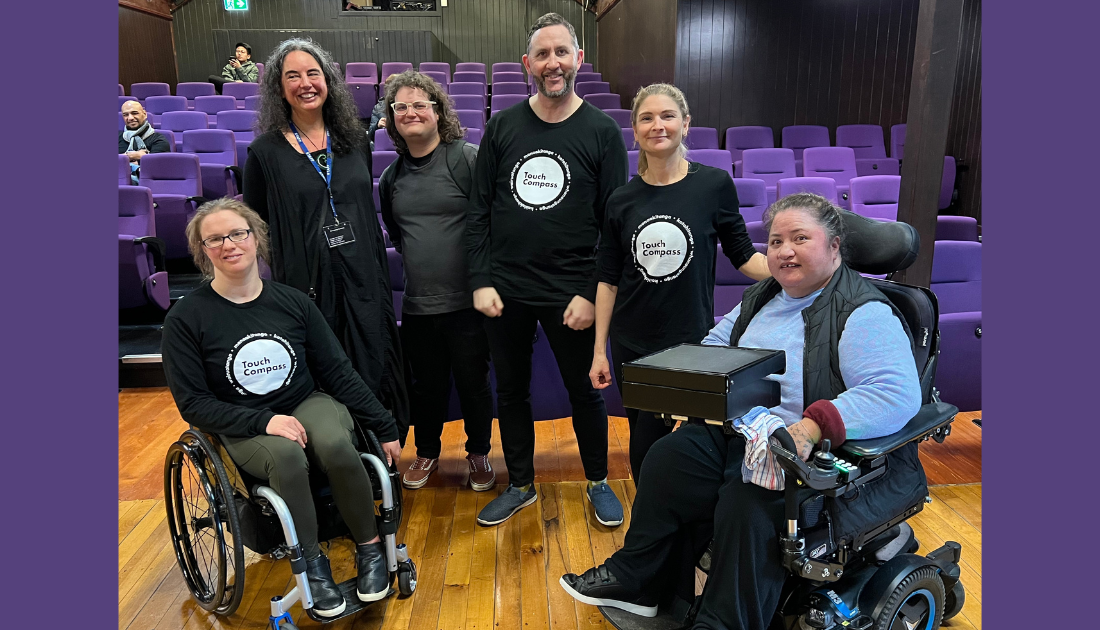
x=471, y=118
x=382, y=141
x=877, y=166
x=897, y=141
x=394, y=67
x=800, y=137
x=947, y=184
x=243, y=125
x=587, y=77
x=470, y=66
x=214, y=104
x=823, y=186
x=468, y=77
x=957, y=283
x=628, y=139
x=509, y=88
x=631, y=164
x=175, y=180
x=608, y=101
x=594, y=87
x=381, y=159
x=756, y=231
x=156, y=106
x=441, y=78
x=361, y=71
x=865, y=140
x=585, y=67
x=750, y=137
x=365, y=96
x=121, y=90
x=473, y=136
x=437, y=66
x=466, y=89
x=190, y=90
x=702, y=138
x=770, y=165
x=621, y=116
x=752, y=196
x=509, y=77
x=507, y=66
x=240, y=91
x=397, y=279
x=142, y=91
x=949, y=228
x=718, y=158
x=729, y=283
x=876, y=196
x=259, y=71
x=836, y=162
x=504, y=101
x=217, y=152
x=252, y=103
x=139, y=281
x=470, y=101
x=178, y=122
x=170, y=138
x=123, y=170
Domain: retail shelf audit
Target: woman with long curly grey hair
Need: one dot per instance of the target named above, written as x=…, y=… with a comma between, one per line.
x=309, y=176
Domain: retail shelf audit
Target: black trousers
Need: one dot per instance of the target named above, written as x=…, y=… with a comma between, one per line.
x=511, y=339
x=218, y=81
x=645, y=428
x=438, y=346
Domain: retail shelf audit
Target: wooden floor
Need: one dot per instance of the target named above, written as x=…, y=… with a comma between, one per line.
x=471, y=577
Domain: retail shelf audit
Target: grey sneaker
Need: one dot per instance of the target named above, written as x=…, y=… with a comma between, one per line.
x=504, y=506
x=608, y=510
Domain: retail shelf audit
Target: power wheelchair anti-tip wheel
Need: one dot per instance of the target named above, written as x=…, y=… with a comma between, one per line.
x=197, y=496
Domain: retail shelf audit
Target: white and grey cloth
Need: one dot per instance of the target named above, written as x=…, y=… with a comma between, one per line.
x=759, y=466
x=136, y=137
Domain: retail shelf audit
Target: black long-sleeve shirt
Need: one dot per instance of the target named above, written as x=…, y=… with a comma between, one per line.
x=658, y=248
x=538, y=203
x=232, y=367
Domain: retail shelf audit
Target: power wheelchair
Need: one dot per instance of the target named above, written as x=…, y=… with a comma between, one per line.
x=216, y=510
x=873, y=579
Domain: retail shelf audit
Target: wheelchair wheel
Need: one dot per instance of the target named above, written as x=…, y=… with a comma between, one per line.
x=916, y=603
x=203, y=523
x=406, y=578
x=953, y=604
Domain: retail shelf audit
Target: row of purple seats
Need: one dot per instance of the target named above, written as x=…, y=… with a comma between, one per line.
x=157, y=106
x=190, y=90
x=957, y=283
x=142, y=279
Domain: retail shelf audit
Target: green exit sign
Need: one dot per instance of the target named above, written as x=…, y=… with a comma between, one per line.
x=236, y=5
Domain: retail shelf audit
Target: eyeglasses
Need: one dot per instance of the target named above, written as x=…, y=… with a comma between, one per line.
x=214, y=242
x=419, y=107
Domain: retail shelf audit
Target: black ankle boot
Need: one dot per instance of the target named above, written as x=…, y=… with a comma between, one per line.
x=327, y=600
x=374, y=578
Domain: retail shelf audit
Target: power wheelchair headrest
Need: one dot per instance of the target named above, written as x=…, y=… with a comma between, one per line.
x=878, y=247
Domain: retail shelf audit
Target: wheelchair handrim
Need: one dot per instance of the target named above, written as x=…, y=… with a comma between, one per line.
x=180, y=521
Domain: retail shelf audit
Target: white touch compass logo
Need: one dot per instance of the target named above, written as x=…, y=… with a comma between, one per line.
x=540, y=180
x=260, y=363
x=663, y=247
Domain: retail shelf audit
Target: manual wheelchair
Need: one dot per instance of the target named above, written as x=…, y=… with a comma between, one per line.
x=873, y=579
x=216, y=510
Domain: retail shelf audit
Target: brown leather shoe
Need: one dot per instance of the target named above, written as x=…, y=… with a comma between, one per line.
x=482, y=477
x=417, y=474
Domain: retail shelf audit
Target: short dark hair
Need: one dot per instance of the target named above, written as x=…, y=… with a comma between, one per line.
x=245, y=46
x=449, y=127
x=552, y=19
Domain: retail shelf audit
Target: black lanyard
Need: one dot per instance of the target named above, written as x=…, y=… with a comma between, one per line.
x=327, y=175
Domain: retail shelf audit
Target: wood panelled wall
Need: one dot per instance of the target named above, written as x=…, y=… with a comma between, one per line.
x=144, y=48
x=488, y=31
x=638, y=40
x=821, y=62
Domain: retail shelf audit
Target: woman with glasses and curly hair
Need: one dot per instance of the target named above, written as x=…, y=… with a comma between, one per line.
x=309, y=176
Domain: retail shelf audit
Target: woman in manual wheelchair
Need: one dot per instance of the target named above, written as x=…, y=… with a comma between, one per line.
x=245, y=360
x=850, y=374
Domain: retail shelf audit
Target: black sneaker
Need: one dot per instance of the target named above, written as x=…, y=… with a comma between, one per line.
x=373, y=582
x=598, y=587
x=327, y=600
x=504, y=506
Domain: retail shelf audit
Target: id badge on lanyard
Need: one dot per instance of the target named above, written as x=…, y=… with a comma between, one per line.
x=339, y=233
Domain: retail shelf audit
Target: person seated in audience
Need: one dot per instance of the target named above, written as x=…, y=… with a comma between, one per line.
x=138, y=138
x=255, y=363
x=240, y=68
x=657, y=252
x=850, y=374
x=378, y=115
x=424, y=195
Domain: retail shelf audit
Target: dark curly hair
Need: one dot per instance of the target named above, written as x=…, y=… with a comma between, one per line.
x=340, y=114
x=449, y=127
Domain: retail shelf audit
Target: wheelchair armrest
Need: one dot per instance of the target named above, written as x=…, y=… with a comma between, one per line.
x=158, y=248
x=930, y=419
x=237, y=176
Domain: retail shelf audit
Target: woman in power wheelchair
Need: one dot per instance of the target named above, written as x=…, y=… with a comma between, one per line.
x=850, y=354
x=246, y=360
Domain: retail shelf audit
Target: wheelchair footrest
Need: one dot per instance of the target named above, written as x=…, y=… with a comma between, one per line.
x=351, y=599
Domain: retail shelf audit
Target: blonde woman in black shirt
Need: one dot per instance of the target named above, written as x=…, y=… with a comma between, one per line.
x=657, y=252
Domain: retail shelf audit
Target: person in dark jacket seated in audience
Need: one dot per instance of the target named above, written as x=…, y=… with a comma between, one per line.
x=850, y=374
x=247, y=359
x=138, y=138
x=240, y=69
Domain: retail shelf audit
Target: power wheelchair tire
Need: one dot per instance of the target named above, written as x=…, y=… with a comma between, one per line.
x=918, y=600
x=953, y=604
x=202, y=524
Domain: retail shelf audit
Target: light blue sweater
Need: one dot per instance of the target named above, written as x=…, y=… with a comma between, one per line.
x=876, y=362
